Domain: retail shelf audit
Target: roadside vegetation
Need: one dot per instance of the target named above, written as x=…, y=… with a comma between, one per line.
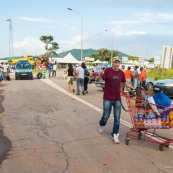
x=159, y=73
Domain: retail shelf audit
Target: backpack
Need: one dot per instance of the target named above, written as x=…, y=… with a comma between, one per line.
x=161, y=99
x=86, y=73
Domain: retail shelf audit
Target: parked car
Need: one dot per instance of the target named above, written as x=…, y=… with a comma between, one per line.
x=148, y=85
x=23, y=70
x=166, y=86
x=95, y=72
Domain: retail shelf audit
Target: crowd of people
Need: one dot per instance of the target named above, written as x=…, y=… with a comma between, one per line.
x=81, y=75
x=135, y=76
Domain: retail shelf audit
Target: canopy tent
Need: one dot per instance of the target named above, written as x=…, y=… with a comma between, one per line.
x=97, y=61
x=69, y=58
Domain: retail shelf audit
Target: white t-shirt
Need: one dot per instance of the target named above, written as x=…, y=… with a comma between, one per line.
x=80, y=72
x=55, y=67
x=5, y=67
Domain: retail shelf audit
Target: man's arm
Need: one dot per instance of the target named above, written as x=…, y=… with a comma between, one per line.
x=129, y=86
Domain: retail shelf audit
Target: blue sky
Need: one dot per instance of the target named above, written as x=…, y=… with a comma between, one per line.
x=138, y=27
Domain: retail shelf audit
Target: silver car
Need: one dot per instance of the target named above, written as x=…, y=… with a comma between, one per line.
x=148, y=84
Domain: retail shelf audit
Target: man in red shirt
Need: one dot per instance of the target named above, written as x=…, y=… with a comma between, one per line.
x=142, y=77
x=113, y=78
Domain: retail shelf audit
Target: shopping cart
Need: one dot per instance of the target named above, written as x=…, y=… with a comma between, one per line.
x=144, y=120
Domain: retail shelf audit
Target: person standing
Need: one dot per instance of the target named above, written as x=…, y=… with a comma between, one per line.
x=142, y=77
x=80, y=79
x=86, y=78
x=54, y=69
x=135, y=76
x=113, y=78
x=128, y=76
x=70, y=77
x=49, y=68
x=5, y=70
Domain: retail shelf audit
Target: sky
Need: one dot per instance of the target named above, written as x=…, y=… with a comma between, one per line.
x=134, y=27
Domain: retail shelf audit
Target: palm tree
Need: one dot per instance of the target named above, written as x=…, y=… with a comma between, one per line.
x=103, y=54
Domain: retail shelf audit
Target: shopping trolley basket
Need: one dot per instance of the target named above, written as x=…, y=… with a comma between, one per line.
x=144, y=118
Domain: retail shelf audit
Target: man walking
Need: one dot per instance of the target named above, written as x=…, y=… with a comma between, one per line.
x=80, y=79
x=113, y=78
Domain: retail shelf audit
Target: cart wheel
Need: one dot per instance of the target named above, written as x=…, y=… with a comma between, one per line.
x=161, y=147
x=127, y=141
x=139, y=135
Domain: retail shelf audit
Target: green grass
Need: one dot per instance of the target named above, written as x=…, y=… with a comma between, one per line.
x=160, y=73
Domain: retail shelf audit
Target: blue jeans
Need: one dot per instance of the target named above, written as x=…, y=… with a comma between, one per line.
x=80, y=83
x=107, y=107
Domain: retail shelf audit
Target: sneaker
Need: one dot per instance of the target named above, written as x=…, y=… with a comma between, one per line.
x=100, y=129
x=115, y=138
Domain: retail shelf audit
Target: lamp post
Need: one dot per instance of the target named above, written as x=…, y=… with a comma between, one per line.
x=111, y=45
x=81, y=31
x=10, y=39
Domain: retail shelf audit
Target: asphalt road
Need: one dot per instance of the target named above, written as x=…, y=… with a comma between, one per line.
x=49, y=130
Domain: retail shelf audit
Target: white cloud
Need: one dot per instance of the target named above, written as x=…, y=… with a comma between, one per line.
x=119, y=31
x=38, y=19
x=28, y=46
x=144, y=18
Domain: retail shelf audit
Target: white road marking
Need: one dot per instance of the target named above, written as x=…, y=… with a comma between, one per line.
x=55, y=86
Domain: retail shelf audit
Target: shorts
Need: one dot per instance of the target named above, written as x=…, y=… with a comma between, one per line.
x=70, y=80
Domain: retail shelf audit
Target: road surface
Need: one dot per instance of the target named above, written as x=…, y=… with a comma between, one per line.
x=45, y=129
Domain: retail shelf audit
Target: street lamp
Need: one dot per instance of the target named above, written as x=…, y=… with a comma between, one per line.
x=10, y=39
x=81, y=31
x=112, y=44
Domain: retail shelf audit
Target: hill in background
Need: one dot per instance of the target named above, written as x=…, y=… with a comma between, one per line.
x=86, y=53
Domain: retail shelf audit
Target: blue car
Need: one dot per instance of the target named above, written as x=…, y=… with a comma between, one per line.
x=23, y=70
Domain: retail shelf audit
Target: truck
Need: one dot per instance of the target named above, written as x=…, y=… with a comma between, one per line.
x=29, y=58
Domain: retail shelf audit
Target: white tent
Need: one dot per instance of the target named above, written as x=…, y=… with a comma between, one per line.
x=97, y=61
x=69, y=58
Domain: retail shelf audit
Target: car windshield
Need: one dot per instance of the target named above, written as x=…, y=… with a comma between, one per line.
x=23, y=66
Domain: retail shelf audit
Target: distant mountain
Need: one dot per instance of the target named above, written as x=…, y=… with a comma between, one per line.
x=77, y=53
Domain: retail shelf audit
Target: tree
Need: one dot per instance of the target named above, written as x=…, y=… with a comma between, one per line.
x=50, y=46
x=151, y=60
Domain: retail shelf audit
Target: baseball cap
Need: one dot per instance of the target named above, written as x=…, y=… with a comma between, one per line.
x=116, y=59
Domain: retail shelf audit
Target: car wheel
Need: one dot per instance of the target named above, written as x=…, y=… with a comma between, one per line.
x=16, y=78
x=39, y=75
x=149, y=87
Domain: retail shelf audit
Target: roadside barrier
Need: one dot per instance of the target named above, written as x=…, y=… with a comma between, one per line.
x=44, y=74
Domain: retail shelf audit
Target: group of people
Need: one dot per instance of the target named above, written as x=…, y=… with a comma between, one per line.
x=136, y=76
x=4, y=70
x=81, y=74
x=52, y=69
